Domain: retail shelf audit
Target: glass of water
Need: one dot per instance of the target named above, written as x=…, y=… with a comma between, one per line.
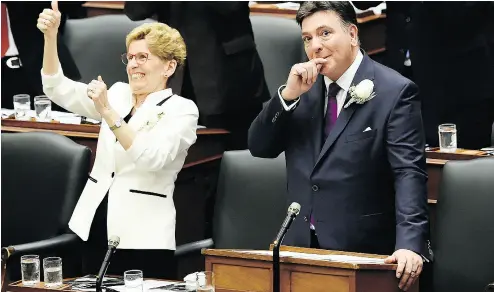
x=30, y=270
x=447, y=138
x=205, y=281
x=22, y=106
x=133, y=281
x=52, y=270
x=42, y=107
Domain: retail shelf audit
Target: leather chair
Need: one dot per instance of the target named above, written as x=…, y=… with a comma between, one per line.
x=279, y=44
x=43, y=175
x=250, y=203
x=464, y=243
x=96, y=44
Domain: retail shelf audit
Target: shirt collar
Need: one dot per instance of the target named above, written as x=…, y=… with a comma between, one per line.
x=155, y=97
x=345, y=81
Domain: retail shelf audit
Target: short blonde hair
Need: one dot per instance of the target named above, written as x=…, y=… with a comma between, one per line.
x=162, y=40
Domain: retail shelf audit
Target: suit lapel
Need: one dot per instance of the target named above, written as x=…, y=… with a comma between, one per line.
x=316, y=108
x=365, y=71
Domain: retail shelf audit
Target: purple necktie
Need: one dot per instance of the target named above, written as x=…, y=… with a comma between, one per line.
x=332, y=109
x=330, y=119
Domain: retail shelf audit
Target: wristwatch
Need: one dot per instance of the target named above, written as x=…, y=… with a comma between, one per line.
x=118, y=124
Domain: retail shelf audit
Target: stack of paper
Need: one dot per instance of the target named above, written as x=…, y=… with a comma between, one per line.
x=321, y=257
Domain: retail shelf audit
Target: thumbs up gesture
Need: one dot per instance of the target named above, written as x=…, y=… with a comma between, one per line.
x=97, y=91
x=49, y=20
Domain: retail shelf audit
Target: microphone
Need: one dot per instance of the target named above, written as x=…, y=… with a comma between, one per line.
x=293, y=211
x=112, y=247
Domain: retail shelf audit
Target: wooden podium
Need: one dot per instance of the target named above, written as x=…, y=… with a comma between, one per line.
x=236, y=270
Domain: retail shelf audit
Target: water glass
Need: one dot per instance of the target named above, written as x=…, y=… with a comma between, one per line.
x=447, y=138
x=205, y=281
x=42, y=107
x=30, y=270
x=52, y=270
x=133, y=281
x=22, y=106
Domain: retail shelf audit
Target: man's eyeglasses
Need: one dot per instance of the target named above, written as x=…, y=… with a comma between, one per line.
x=140, y=58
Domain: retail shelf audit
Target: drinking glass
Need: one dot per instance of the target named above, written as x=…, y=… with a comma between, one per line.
x=133, y=280
x=42, y=107
x=52, y=271
x=30, y=270
x=22, y=106
x=205, y=281
x=447, y=138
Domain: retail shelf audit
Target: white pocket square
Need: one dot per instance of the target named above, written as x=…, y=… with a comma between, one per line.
x=367, y=129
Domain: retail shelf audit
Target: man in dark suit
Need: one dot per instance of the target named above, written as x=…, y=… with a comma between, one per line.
x=451, y=46
x=223, y=72
x=21, y=69
x=352, y=134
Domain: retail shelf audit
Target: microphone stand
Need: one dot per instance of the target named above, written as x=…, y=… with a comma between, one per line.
x=99, y=282
x=276, y=266
x=100, y=277
x=276, y=251
x=293, y=211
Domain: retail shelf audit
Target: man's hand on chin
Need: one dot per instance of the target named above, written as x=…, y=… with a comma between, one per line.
x=409, y=266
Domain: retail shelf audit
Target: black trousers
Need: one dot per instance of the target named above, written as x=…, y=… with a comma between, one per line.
x=159, y=264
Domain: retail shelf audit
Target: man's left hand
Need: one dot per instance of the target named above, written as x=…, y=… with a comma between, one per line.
x=409, y=266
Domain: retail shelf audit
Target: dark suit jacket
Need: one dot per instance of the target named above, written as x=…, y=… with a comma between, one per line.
x=366, y=190
x=225, y=68
x=30, y=43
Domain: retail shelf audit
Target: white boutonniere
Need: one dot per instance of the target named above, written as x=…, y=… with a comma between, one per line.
x=361, y=93
x=152, y=121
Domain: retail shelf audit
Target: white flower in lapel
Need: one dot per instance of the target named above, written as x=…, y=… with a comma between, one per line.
x=361, y=93
x=152, y=121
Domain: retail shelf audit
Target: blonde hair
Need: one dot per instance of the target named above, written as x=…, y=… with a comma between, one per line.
x=162, y=40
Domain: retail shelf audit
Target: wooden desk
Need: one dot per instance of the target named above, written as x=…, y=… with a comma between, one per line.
x=195, y=185
x=236, y=271
x=204, y=150
x=18, y=287
x=372, y=27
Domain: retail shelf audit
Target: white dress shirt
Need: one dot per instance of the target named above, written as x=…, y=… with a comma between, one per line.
x=345, y=81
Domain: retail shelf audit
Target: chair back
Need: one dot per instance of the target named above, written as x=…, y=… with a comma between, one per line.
x=251, y=201
x=492, y=135
x=97, y=43
x=43, y=175
x=464, y=233
x=279, y=44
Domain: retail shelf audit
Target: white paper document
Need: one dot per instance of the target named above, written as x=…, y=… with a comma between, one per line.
x=321, y=257
x=148, y=285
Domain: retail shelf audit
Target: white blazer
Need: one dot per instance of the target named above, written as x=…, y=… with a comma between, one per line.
x=141, y=179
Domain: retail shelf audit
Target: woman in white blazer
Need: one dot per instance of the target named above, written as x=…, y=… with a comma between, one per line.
x=145, y=134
